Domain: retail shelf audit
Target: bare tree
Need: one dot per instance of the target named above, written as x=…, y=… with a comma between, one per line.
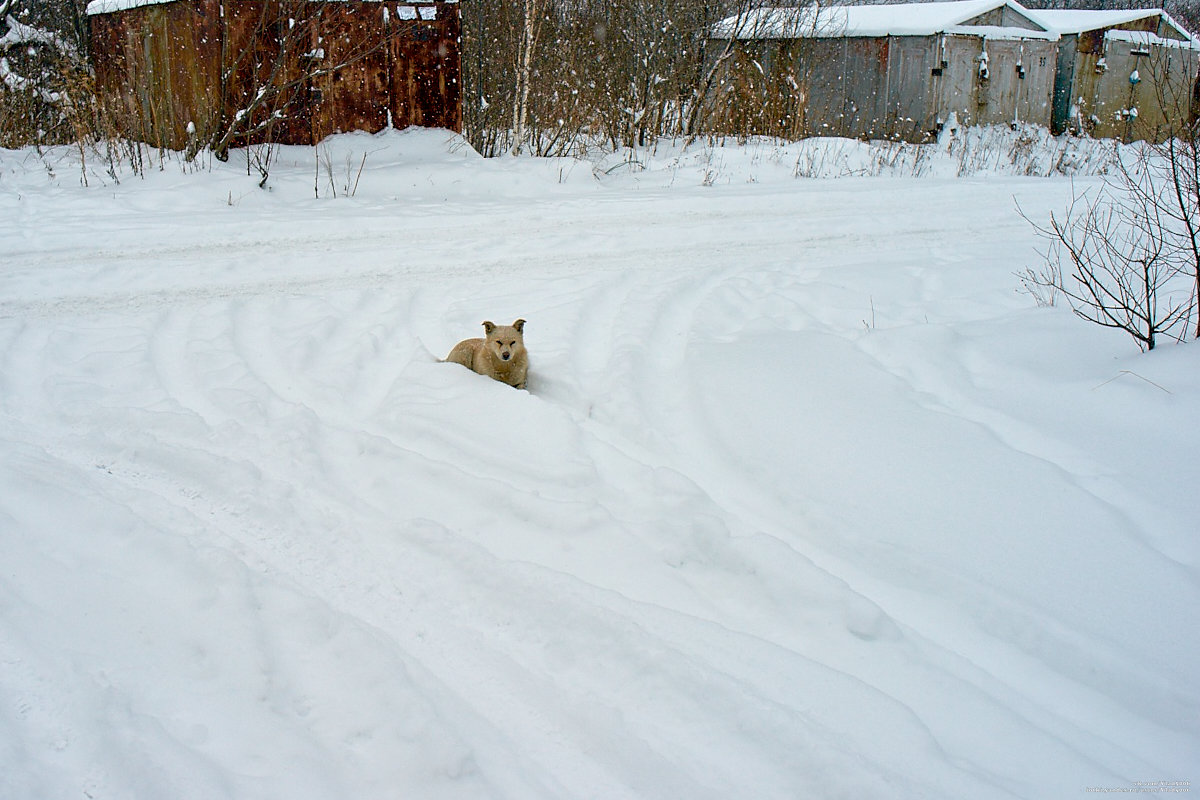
x=1117, y=260
x=1130, y=258
x=1179, y=158
x=610, y=71
x=491, y=30
x=1172, y=165
x=525, y=52
x=734, y=28
x=1164, y=175
x=274, y=65
x=776, y=73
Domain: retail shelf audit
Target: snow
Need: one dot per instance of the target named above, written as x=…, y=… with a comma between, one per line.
x=18, y=33
x=113, y=6
x=1147, y=39
x=902, y=19
x=1077, y=21
x=1080, y=20
x=10, y=78
x=806, y=499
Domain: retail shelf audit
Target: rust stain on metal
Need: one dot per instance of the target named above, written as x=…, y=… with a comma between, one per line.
x=425, y=67
x=330, y=67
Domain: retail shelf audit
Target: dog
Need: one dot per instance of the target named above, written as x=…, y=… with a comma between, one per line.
x=500, y=355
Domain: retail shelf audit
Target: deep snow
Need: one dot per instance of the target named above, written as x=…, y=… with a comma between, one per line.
x=806, y=499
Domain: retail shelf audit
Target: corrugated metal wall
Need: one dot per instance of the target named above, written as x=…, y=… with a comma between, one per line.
x=160, y=67
x=255, y=52
x=1095, y=90
x=426, y=72
x=899, y=87
x=912, y=88
x=1020, y=83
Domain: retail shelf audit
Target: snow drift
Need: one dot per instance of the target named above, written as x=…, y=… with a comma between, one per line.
x=805, y=499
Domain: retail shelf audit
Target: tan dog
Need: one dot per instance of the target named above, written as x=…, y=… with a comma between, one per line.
x=501, y=355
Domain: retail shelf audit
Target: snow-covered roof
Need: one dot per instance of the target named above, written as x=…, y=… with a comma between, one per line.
x=905, y=19
x=1078, y=21
x=1147, y=39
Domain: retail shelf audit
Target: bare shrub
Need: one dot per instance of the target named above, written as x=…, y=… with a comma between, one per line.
x=41, y=76
x=1119, y=260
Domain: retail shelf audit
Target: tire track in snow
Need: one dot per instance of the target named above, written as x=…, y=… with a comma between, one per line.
x=439, y=267
x=509, y=630
x=956, y=390
x=268, y=641
x=949, y=638
x=539, y=688
x=517, y=705
x=646, y=351
x=252, y=339
x=168, y=350
x=323, y=426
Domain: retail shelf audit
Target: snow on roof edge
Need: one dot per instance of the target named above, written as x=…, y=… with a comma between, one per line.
x=904, y=19
x=1077, y=20
x=1067, y=21
x=1148, y=38
x=994, y=32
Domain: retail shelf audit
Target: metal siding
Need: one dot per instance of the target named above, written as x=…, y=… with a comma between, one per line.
x=1114, y=93
x=253, y=57
x=1004, y=97
x=351, y=96
x=904, y=87
x=425, y=70
x=959, y=88
x=1040, y=61
x=910, y=112
x=1104, y=94
x=111, y=62
x=1003, y=17
x=865, y=102
x=1064, y=84
x=157, y=68
x=821, y=76
x=1160, y=97
x=826, y=87
x=994, y=96
x=1010, y=97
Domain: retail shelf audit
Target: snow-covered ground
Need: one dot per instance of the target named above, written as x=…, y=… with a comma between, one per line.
x=806, y=498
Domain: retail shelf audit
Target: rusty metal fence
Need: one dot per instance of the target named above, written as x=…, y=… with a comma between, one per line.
x=179, y=73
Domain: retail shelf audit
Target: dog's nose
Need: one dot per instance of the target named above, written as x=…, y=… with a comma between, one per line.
x=505, y=356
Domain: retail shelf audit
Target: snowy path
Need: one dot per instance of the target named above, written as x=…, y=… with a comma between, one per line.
x=805, y=500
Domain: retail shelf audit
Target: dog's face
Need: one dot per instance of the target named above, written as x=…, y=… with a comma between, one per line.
x=505, y=341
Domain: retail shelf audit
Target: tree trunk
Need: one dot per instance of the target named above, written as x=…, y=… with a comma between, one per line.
x=524, y=70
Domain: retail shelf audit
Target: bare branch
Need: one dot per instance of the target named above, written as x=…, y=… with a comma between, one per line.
x=1114, y=259
x=279, y=83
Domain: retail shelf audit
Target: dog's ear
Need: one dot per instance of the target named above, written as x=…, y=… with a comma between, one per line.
x=488, y=327
x=519, y=325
